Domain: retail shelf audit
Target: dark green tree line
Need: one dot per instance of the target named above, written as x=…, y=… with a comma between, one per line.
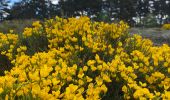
x=37, y=9
x=100, y=10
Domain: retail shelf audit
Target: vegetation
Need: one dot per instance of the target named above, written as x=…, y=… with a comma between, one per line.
x=16, y=25
x=166, y=26
x=76, y=58
x=134, y=12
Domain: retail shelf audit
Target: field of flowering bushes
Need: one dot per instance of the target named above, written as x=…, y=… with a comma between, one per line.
x=77, y=59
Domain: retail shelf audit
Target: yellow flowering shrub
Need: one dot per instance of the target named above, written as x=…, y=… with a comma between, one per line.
x=7, y=44
x=76, y=58
x=166, y=26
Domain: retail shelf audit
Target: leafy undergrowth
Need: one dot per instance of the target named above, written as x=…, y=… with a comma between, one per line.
x=79, y=59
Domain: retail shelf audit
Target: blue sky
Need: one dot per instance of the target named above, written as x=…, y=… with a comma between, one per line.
x=13, y=0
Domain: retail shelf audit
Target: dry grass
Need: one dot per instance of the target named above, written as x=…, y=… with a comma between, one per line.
x=16, y=25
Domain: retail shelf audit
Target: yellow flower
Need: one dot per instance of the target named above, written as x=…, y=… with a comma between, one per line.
x=11, y=31
x=36, y=24
x=27, y=32
x=99, y=81
x=166, y=26
x=98, y=59
x=168, y=70
x=56, y=94
x=104, y=88
x=1, y=90
x=166, y=95
x=69, y=78
x=83, y=38
x=34, y=76
x=20, y=93
x=35, y=89
x=55, y=81
x=85, y=68
x=143, y=92
x=106, y=78
x=81, y=74
x=119, y=44
x=130, y=69
x=88, y=79
x=71, y=88
x=157, y=93
x=91, y=62
x=81, y=48
x=44, y=71
x=142, y=84
x=7, y=97
x=93, y=68
x=80, y=82
x=111, y=50
x=165, y=64
x=74, y=39
x=22, y=77
x=124, y=89
x=18, y=49
x=99, y=67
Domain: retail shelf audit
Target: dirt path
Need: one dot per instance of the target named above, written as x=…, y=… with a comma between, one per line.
x=157, y=35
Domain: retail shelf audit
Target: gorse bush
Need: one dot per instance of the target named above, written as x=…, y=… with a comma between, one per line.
x=166, y=26
x=79, y=59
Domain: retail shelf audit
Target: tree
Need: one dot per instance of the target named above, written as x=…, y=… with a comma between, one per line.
x=38, y=9
x=142, y=9
x=126, y=10
x=71, y=8
x=109, y=10
x=3, y=9
x=168, y=11
x=160, y=8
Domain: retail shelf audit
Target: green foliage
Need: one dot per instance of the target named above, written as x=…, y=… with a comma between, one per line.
x=150, y=21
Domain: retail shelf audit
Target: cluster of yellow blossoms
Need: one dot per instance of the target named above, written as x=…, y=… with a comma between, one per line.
x=81, y=59
x=166, y=26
